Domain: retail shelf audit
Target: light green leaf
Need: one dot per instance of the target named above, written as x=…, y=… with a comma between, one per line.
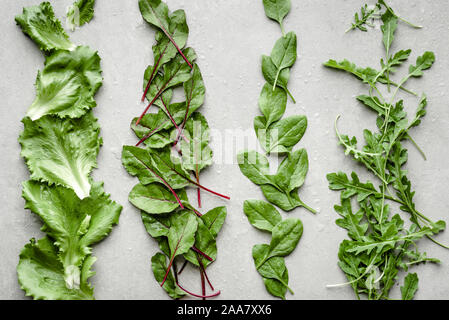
x=390, y=23
x=261, y=214
x=67, y=84
x=205, y=242
x=41, y=274
x=284, y=53
x=79, y=13
x=286, y=133
x=74, y=224
x=155, y=12
x=254, y=166
x=423, y=62
x=194, y=90
x=62, y=152
x=277, y=9
x=272, y=103
x=155, y=198
x=410, y=286
x=292, y=171
x=181, y=236
x=40, y=24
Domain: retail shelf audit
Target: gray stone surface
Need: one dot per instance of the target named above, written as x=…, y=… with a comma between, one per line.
x=229, y=37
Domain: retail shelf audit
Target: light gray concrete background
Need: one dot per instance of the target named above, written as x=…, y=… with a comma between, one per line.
x=229, y=37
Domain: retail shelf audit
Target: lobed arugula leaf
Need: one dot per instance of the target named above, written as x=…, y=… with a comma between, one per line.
x=410, y=286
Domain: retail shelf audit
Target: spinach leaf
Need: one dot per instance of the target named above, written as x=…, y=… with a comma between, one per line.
x=272, y=103
x=284, y=53
x=277, y=10
x=261, y=215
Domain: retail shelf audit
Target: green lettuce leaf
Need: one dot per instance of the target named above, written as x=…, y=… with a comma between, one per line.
x=41, y=274
x=40, y=24
x=74, y=224
x=67, y=84
x=61, y=152
x=79, y=13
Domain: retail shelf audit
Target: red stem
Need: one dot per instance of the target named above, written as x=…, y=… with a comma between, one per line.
x=149, y=134
x=202, y=253
x=168, y=269
x=203, y=283
x=152, y=74
x=165, y=183
x=194, y=183
x=205, y=274
x=182, y=267
x=198, y=190
x=197, y=295
x=170, y=38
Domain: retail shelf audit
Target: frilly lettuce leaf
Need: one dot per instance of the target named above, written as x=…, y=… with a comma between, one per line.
x=67, y=84
x=81, y=12
x=72, y=223
x=41, y=274
x=40, y=24
x=61, y=152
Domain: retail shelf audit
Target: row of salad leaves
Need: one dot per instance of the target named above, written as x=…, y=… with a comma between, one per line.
x=380, y=245
x=277, y=135
x=60, y=143
x=172, y=150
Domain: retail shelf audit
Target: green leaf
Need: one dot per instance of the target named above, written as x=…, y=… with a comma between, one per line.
x=155, y=12
x=423, y=62
x=261, y=214
x=273, y=268
x=269, y=72
x=277, y=9
x=286, y=133
x=205, y=242
x=164, y=50
x=284, y=53
x=40, y=24
x=285, y=201
x=67, y=84
x=157, y=225
x=175, y=73
x=146, y=165
x=195, y=91
x=292, y=171
x=61, y=152
x=154, y=198
x=272, y=103
x=214, y=219
x=196, y=153
x=181, y=236
x=339, y=181
x=410, y=286
x=351, y=221
x=285, y=237
x=74, y=224
x=79, y=13
x=390, y=23
x=275, y=287
x=254, y=166
x=159, y=267
x=41, y=274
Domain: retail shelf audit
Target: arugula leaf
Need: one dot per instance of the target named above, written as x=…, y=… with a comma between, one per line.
x=79, y=13
x=159, y=267
x=41, y=274
x=277, y=10
x=360, y=22
x=339, y=181
x=390, y=23
x=261, y=214
x=74, y=224
x=40, y=24
x=62, y=152
x=154, y=198
x=67, y=84
x=423, y=62
x=410, y=286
